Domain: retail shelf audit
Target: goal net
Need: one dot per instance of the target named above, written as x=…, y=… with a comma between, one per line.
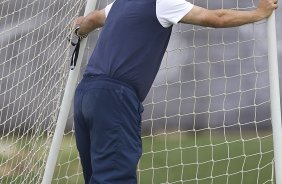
x=206, y=119
x=33, y=69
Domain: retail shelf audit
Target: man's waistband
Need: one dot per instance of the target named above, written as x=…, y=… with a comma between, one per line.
x=108, y=79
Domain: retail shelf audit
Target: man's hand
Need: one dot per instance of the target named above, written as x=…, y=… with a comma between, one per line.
x=76, y=23
x=75, y=26
x=88, y=23
x=266, y=7
x=78, y=20
x=221, y=18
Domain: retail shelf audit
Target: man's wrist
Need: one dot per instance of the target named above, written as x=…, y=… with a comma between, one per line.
x=260, y=14
x=76, y=32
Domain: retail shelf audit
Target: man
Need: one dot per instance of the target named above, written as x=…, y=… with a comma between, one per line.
x=121, y=71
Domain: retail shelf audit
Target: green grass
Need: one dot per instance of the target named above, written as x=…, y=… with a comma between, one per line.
x=175, y=158
x=184, y=159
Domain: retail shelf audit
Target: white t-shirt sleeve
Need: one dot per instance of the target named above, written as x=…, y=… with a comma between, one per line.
x=108, y=8
x=170, y=12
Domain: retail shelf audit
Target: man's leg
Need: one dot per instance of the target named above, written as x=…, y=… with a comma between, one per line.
x=82, y=136
x=113, y=116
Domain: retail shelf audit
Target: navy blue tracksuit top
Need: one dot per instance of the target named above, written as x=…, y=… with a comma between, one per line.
x=131, y=45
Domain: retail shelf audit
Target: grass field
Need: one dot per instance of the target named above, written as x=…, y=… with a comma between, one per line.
x=198, y=161
x=175, y=159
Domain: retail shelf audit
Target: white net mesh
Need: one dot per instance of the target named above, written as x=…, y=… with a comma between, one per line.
x=33, y=69
x=206, y=118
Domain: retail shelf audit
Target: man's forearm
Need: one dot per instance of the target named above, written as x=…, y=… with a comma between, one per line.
x=229, y=18
x=232, y=18
x=90, y=22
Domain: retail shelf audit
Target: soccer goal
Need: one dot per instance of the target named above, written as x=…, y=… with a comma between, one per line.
x=211, y=117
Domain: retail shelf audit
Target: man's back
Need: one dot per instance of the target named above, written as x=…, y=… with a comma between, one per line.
x=131, y=45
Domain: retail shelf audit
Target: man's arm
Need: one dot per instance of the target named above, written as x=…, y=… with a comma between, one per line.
x=228, y=18
x=93, y=20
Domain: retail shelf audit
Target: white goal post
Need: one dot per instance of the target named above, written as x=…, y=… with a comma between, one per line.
x=65, y=107
x=275, y=95
x=212, y=116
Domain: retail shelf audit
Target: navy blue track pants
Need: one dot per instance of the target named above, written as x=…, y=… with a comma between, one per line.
x=107, y=116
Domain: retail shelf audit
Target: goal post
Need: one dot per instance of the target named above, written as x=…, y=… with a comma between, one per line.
x=34, y=64
x=65, y=106
x=275, y=96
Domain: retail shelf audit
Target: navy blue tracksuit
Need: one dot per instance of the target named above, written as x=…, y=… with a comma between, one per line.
x=107, y=103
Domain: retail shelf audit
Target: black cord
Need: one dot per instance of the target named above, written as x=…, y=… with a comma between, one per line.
x=75, y=54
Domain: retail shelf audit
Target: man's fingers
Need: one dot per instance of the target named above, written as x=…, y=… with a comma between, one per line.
x=74, y=22
x=70, y=26
x=275, y=4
